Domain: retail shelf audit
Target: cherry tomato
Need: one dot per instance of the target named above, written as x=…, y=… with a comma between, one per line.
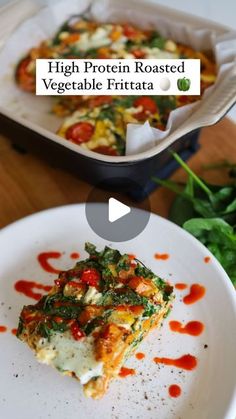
x=81, y=132
x=99, y=100
x=58, y=319
x=129, y=31
x=138, y=53
x=76, y=332
x=104, y=149
x=90, y=277
x=25, y=79
x=147, y=103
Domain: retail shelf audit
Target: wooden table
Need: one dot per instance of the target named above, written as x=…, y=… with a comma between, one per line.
x=28, y=184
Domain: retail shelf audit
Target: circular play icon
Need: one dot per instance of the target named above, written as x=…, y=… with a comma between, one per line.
x=118, y=220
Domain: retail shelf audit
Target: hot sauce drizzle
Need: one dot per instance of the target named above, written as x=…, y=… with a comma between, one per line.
x=185, y=362
x=180, y=286
x=140, y=355
x=197, y=292
x=43, y=260
x=74, y=255
x=174, y=390
x=193, y=328
x=14, y=331
x=3, y=329
x=161, y=256
x=26, y=287
x=124, y=372
x=207, y=259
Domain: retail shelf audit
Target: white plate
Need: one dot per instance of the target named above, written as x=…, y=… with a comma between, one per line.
x=28, y=389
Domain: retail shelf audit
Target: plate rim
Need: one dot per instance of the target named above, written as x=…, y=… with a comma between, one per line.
x=231, y=408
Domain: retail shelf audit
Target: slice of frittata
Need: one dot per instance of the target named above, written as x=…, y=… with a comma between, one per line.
x=95, y=317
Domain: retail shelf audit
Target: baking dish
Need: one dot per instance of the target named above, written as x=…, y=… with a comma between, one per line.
x=113, y=170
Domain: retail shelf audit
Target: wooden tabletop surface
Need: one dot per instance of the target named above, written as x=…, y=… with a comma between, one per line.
x=28, y=184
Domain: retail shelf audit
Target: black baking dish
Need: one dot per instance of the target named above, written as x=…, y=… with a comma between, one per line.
x=93, y=170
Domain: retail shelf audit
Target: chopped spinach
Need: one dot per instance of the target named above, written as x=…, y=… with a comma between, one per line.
x=125, y=101
x=68, y=312
x=123, y=264
x=20, y=327
x=107, y=112
x=156, y=41
x=44, y=330
x=69, y=308
x=127, y=296
x=150, y=309
x=59, y=327
x=142, y=270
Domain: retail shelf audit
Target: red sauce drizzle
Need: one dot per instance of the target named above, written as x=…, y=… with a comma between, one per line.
x=185, y=362
x=174, y=390
x=193, y=328
x=14, y=331
x=161, y=256
x=207, y=259
x=74, y=255
x=197, y=292
x=180, y=286
x=124, y=372
x=26, y=287
x=140, y=355
x=43, y=260
x=3, y=329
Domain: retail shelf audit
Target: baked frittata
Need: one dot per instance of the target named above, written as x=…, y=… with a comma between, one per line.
x=99, y=123
x=95, y=316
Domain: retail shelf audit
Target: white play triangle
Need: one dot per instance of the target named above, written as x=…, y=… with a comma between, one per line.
x=116, y=210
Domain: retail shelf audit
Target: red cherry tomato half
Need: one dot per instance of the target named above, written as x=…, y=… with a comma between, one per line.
x=147, y=103
x=104, y=149
x=24, y=78
x=81, y=132
x=99, y=100
x=129, y=31
x=90, y=277
x=138, y=53
x=76, y=332
x=148, y=107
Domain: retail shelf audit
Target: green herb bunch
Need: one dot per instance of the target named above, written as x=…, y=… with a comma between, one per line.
x=208, y=212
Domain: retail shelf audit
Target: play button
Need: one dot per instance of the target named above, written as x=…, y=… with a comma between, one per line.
x=117, y=210
x=113, y=216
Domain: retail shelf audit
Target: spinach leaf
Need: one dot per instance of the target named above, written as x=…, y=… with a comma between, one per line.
x=44, y=330
x=69, y=308
x=20, y=327
x=120, y=144
x=150, y=309
x=91, y=249
x=125, y=101
x=142, y=270
x=181, y=210
x=128, y=296
x=220, y=239
x=157, y=41
x=68, y=312
x=123, y=264
x=59, y=327
x=216, y=205
x=107, y=112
